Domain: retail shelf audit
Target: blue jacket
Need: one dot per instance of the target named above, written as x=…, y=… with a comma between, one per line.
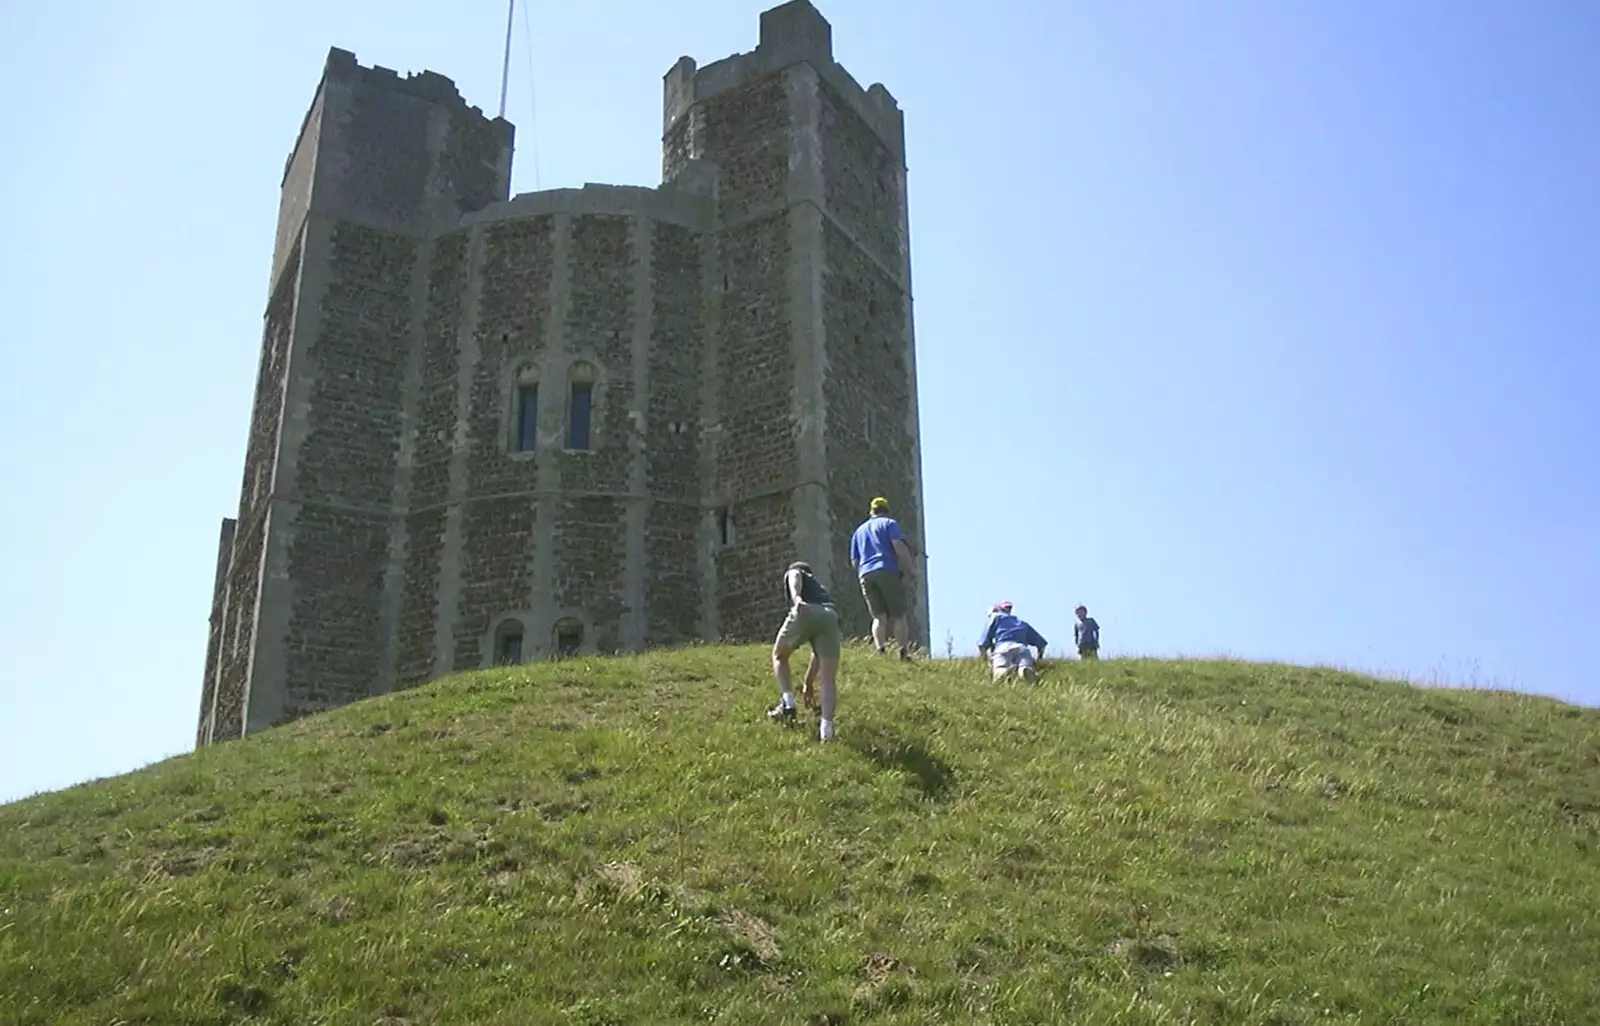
x=1003, y=627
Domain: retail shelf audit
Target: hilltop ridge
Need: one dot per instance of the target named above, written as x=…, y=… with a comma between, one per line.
x=624, y=840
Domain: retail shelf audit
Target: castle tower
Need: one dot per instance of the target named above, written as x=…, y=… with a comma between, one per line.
x=815, y=409
x=301, y=589
x=490, y=430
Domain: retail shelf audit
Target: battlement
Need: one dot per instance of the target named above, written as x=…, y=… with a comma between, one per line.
x=791, y=33
x=424, y=85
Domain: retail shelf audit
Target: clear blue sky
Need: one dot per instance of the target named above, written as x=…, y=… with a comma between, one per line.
x=1272, y=330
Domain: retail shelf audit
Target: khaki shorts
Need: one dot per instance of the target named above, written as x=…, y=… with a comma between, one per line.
x=885, y=592
x=817, y=624
x=1010, y=655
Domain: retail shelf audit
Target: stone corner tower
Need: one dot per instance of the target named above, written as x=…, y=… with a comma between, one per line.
x=489, y=429
x=815, y=406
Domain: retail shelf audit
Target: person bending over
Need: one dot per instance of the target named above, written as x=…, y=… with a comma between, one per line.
x=1005, y=643
x=813, y=620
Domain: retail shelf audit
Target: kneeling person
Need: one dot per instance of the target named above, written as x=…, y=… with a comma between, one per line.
x=812, y=619
x=1005, y=643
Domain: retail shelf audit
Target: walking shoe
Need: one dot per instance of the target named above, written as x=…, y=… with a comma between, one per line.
x=781, y=713
x=905, y=655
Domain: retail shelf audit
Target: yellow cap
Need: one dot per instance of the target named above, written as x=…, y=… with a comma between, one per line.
x=878, y=503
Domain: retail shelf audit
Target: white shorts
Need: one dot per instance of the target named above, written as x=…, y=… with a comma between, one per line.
x=1009, y=655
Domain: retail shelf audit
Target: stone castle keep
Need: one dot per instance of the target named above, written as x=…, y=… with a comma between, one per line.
x=492, y=429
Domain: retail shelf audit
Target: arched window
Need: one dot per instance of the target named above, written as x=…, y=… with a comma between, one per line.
x=580, y=405
x=508, y=643
x=525, y=411
x=568, y=637
x=527, y=416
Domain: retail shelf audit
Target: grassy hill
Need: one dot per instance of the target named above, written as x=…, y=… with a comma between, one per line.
x=628, y=841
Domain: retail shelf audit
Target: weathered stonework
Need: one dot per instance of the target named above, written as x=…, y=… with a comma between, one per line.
x=216, y=635
x=237, y=590
x=743, y=334
x=868, y=396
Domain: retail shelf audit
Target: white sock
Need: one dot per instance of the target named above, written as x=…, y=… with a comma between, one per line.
x=826, y=730
x=787, y=698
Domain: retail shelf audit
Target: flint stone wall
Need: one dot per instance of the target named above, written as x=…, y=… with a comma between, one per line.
x=745, y=330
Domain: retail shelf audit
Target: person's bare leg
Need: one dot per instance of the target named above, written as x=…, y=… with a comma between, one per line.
x=780, y=670
x=808, y=692
x=900, y=634
x=828, y=681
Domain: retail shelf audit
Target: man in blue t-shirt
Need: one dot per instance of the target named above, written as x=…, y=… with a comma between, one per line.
x=1005, y=642
x=882, y=561
x=1086, y=634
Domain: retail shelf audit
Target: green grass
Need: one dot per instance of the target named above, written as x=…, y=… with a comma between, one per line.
x=610, y=841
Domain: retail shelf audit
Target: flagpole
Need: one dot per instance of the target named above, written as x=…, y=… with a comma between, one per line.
x=505, y=67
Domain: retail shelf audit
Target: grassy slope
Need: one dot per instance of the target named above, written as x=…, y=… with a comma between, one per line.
x=626, y=841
